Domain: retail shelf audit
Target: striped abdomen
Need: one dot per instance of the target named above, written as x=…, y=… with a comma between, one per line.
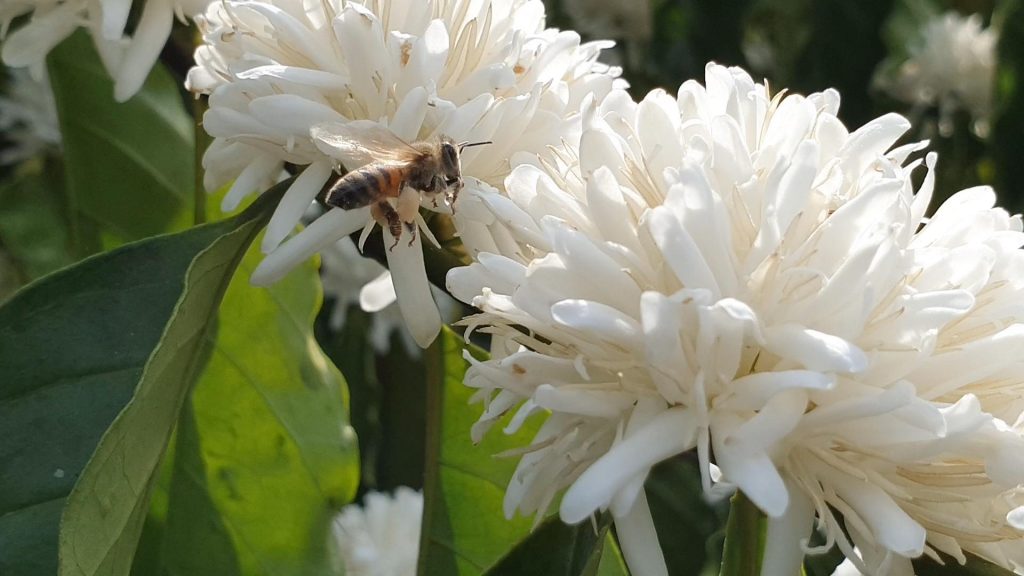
x=366, y=185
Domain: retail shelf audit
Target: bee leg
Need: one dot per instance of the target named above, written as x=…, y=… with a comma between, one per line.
x=453, y=194
x=390, y=217
x=411, y=227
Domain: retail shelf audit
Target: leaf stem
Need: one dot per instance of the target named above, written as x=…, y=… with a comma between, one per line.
x=744, y=539
x=434, y=361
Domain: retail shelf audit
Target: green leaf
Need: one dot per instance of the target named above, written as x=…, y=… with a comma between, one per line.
x=32, y=226
x=464, y=529
x=75, y=346
x=129, y=166
x=688, y=527
x=264, y=455
x=744, y=538
x=557, y=549
x=612, y=562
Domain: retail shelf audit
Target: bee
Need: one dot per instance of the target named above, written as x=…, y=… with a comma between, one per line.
x=390, y=165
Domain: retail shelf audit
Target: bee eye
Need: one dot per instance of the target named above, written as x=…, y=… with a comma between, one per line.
x=449, y=154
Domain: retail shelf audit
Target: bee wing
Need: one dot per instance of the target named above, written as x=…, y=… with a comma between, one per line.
x=361, y=142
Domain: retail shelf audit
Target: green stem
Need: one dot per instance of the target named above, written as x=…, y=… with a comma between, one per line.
x=744, y=539
x=200, y=142
x=433, y=360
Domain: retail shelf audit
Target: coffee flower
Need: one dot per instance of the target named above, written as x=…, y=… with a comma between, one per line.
x=740, y=274
x=382, y=537
x=473, y=71
x=28, y=118
x=952, y=65
x=129, y=59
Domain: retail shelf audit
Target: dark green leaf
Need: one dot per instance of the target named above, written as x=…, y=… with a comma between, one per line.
x=129, y=166
x=687, y=525
x=264, y=455
x=73, y=346
x=464, y=528
x=557, y=549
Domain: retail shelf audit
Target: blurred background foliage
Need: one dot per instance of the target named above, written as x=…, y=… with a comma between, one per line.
x=75, y=201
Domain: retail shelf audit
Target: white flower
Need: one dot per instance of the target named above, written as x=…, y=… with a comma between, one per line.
x=740, y=274
x=349, y=279
x=28, y=118
x=381, y=538
x=951, y=65
x=473, y=71
x=129, y=60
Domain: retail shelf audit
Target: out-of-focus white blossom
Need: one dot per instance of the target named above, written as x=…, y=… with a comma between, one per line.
x=351, y=279
x=128, y=58
x=381, y=537
x=28, y=118
x=739, y=273
x=471, y=70
x=951, y=65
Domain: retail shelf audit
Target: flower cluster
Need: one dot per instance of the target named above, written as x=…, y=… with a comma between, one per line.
x=278, y=72
x=951, y=65
x=738, y=273
x=129, y=59
x=382, y=537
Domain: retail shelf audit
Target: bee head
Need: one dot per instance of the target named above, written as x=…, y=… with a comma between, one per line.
x=450, y=159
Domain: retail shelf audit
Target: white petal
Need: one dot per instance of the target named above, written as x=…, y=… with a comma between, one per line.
x=413, y=291
x=669, y=433
x=296, y=201
x=598, y=403
x=252, y=179
x=323, y=232
x=378, y=293
x=752, y=391
x=291, y=114
x=889, y=524
x=600, y=320
x=408, y=119
x=749, y=469
x=115, y=17
x=681, y=252
x=147, y=42
x=788, y=535
x=815, y=350
x=639, y=540
x=30, y=43
x=305, y=76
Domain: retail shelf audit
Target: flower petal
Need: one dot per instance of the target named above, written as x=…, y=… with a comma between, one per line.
x=667, y=434
x=409, y=276
x=323, y=232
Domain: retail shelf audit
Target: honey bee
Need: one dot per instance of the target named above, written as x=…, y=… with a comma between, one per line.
x=389, y=166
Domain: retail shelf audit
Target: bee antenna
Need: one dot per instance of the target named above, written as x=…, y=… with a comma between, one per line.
x=464, y=145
